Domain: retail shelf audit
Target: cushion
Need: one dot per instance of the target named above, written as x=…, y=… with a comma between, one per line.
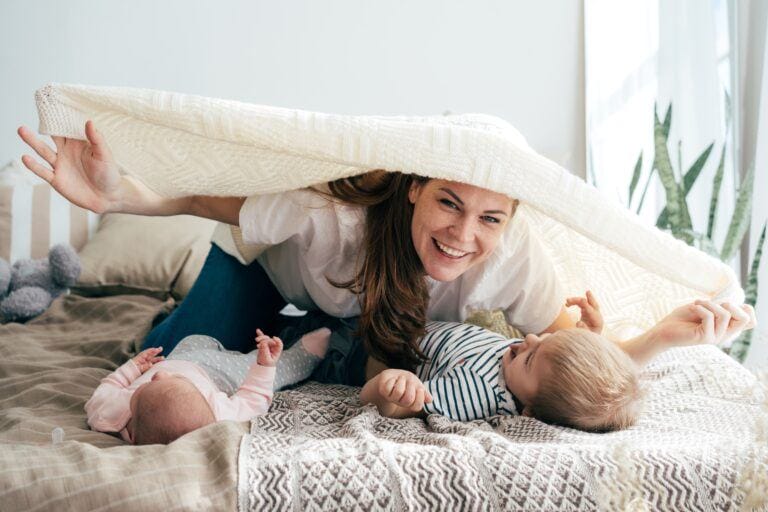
x=134, y=254
x=34, y=217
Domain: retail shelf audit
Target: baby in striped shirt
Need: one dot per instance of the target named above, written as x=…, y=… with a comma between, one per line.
x=573, y=377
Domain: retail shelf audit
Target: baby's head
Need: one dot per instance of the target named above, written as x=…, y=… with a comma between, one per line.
x=166, y=408
x=575, y=378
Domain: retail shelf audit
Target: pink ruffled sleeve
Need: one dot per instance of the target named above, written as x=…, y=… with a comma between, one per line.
x=109, y=408
x=252, y=399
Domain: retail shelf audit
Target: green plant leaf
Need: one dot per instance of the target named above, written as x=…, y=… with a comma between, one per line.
x=635, y=178
x=667, y=121
x=701, y=242
x=740, y=347
x=750, y=292
x=688, y=180
x=742, y=213
x=645, y=189
x=693, y=172
x=677, y=209
x=716, y=183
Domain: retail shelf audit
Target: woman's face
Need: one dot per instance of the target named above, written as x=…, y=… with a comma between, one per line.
x=455, y=226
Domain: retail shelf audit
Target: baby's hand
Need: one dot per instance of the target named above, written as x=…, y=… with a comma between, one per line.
x=146, y=358
x=269, y=348
x=591, y=318
x=403, y=388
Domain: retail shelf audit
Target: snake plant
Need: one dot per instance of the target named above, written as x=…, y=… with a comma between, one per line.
x=675, y=217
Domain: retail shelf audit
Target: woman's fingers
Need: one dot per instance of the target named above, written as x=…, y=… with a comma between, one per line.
x=98, y=145
x=750, y=311
x=721, y=318
x=707, y=323
x=36, y=167
x=40, y=147
x=739, y=317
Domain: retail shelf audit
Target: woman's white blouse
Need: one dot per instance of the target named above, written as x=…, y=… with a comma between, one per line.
x=314, y=239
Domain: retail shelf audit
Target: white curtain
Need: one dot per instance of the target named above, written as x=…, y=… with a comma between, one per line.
x=758, y=354
x=662, y=51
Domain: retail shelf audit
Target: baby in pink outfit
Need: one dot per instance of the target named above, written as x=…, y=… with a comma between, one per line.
x=151, y=399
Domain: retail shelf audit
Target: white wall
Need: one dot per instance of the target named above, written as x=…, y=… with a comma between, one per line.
x=522, y=61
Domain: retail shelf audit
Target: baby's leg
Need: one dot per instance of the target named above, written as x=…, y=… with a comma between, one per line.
x=194, y=343
x=298, y=362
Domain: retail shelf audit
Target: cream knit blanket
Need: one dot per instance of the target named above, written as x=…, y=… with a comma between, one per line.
x=180, y=144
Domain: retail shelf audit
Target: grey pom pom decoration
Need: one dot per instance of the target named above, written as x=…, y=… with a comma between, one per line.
x=24, y=304
x=65, y=265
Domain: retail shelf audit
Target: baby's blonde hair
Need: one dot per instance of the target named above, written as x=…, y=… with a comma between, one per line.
x=166, y=412
x=591, y=383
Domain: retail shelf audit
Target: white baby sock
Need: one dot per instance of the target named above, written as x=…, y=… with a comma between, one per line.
x=298, y=362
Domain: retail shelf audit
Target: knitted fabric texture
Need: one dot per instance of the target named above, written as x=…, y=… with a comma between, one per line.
x=697, y=446
x=180, y=144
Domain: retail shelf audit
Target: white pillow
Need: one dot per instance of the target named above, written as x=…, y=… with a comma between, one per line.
x=34, y=217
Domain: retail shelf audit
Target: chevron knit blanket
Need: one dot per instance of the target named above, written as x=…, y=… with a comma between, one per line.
x=700, y=446
x=180, y=144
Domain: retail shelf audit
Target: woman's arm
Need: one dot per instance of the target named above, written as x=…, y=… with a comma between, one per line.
x=563, y=321
x=699, y=323
x=86, y=174
x=138, y=199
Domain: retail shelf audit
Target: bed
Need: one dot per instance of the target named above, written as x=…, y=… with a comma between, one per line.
x=697, y=447
x=700, y=445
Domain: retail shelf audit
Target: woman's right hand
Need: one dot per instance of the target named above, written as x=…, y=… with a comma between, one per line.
x=84, y=172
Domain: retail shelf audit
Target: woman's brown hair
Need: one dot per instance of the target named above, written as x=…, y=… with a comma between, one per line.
x=390, y=281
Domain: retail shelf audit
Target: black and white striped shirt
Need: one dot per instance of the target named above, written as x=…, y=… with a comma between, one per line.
x=463, y=373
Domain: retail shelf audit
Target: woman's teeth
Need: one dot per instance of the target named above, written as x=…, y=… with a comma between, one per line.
x=450, y=252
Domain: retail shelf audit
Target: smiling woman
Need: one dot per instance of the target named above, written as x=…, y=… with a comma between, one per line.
x=456, y=226
x=393, y=248
x=456, y=260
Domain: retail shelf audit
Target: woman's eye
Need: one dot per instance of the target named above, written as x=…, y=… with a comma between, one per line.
x=449, y=204
x=492, y=220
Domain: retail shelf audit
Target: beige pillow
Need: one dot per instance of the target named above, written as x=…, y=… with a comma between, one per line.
x=156, y=256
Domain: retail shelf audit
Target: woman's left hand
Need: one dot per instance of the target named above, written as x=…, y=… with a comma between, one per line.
x=704, y=322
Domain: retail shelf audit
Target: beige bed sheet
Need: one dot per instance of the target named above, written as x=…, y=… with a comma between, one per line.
x=48, y=369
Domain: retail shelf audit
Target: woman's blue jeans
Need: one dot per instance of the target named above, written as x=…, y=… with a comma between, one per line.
x=229, y=301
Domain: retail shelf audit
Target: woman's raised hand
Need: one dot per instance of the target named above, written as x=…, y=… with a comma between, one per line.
x=84, y=172
x=704, y=322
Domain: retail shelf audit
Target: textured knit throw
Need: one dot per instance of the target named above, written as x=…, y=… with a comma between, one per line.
x=180, y=144
x=699, y=446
